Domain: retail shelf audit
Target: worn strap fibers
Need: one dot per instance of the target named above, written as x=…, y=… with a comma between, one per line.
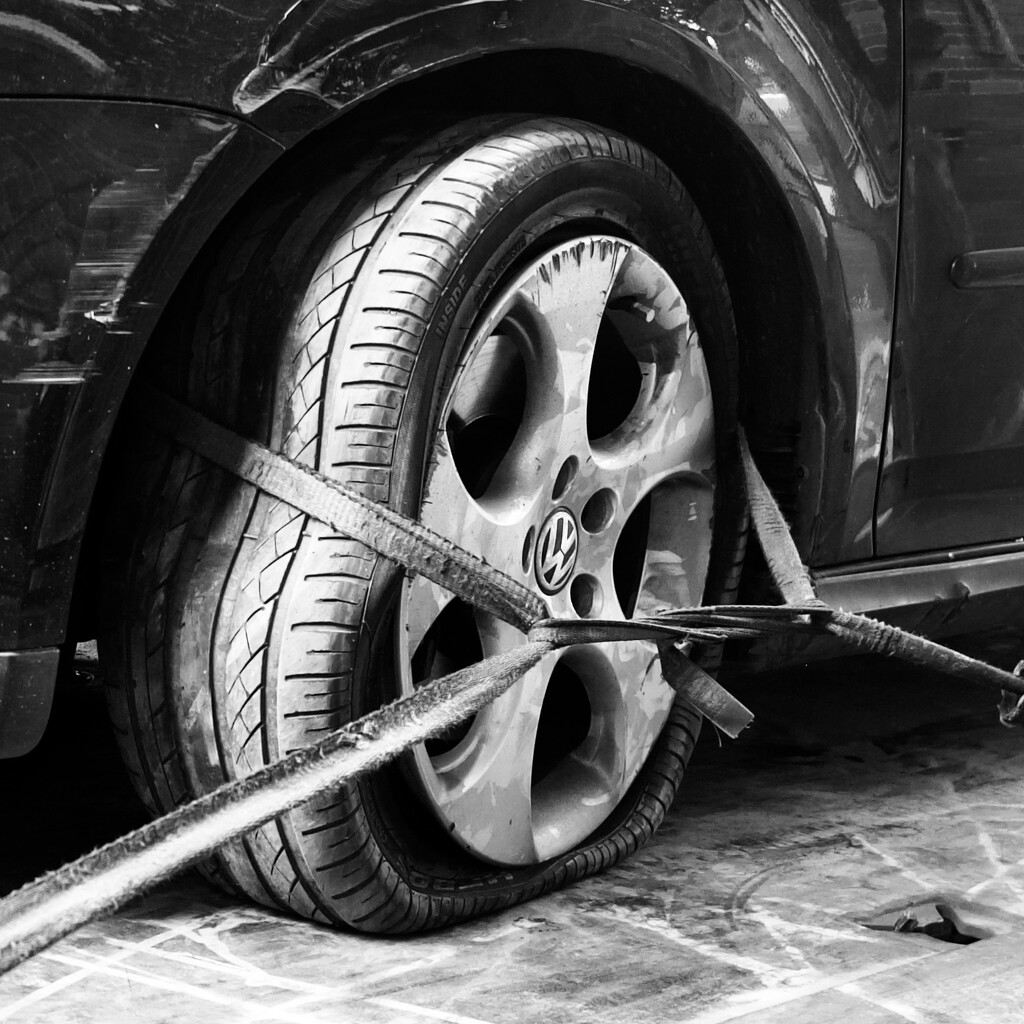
x=45, y=910
x=40, y=913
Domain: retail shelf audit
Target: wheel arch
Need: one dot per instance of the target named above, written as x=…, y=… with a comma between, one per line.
x=749, y=182
x=812, y=95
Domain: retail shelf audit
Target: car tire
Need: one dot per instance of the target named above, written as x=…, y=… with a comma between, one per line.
x=353, y=328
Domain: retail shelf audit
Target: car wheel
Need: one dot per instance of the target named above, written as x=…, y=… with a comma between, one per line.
x=518, y=331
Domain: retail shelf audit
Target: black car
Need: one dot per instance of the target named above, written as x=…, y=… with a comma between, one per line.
x=517, y=268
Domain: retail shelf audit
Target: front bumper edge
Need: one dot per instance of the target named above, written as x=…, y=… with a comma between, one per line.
x=27, y=680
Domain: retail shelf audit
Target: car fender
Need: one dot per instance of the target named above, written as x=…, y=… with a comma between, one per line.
x=816, y=102
x=814, y=90
x=813, y=86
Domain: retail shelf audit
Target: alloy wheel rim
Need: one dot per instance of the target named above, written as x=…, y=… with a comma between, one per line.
x=576, y=453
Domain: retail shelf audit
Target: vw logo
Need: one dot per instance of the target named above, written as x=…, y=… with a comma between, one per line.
x=555, y=556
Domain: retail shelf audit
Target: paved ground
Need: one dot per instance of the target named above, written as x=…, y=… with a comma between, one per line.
x=859, y=791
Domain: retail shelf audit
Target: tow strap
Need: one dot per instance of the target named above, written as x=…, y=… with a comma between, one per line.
x=43, y=911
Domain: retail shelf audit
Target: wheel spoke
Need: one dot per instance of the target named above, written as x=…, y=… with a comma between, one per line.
x=571, y=298
x=495, y=534
x=670, y=429
x=655, y=557
x=661, y=455
x=557, y=311
x=449, y=509
x=483, y=786
x=678, y=547
x=644, y=701
x=628, y=705
x=675, y=444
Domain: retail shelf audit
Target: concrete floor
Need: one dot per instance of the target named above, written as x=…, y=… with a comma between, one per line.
x=860, y=790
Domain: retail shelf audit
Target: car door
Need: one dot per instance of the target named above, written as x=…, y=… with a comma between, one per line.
x=953, y=470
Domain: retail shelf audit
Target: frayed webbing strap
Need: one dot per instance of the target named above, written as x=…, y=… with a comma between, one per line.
x=1011, y=704
x=417, y=548
x=51, y=907
x=788, y=572
x=392, y=535
x=876, y=637
x=860, y=631
x=421, y=550
x=40, y=913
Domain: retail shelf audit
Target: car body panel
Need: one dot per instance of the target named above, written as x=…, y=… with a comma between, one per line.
x=954, y=466
x=179, y=108
x=817, y=91
x=90, y=254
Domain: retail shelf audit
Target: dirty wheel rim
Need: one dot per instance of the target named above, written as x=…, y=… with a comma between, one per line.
x=575, y=452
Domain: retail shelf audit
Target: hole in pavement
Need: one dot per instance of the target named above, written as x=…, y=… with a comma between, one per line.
x=936, y=920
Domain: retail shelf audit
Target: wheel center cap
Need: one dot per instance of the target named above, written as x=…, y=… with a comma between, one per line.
x=555, y=554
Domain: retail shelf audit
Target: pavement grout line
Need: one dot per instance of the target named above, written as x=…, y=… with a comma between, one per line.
x=422, y=1011
x=6, y=1013
x=771, y=998
x=898, y=1008
x=130, y=974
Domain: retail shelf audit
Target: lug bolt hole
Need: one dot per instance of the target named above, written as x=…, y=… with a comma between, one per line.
x=585, y=595
x=565, y=477
x=531, y=534
x=598, y=512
